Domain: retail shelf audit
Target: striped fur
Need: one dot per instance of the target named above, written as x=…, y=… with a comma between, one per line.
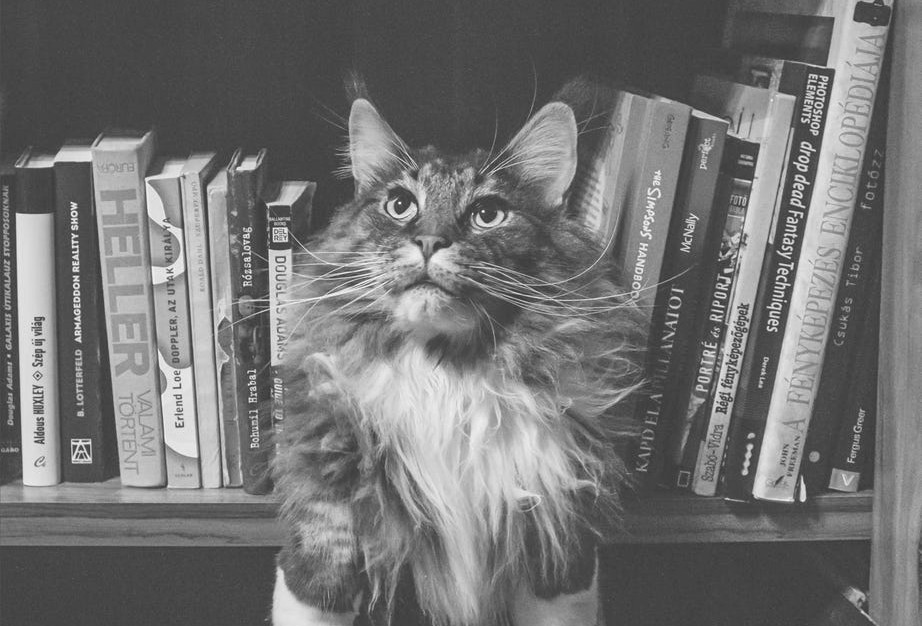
x=453, y=412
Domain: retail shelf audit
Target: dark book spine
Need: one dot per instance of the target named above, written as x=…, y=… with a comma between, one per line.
x=812, y=87
x=737, y=170
x=854, y=444
x=692, y=236
x=862, y=259
x=10, y=433
x=87, y=422
x=279, y=227
x=250, y=292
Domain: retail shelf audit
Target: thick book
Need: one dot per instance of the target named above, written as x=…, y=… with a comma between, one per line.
x=87, y=421
x=196, y=173
x=10, y=433
x=811, y=86
x=642, y=245
x=120, y=161
x=763, y=116
x=857, y=56
x=694, y=234
x=38, y=368
x=223, y=340
x=288, y=207
x=862, y=260
x=246, y=234
x=737, y=171
x=854, y=443
x=171, y=319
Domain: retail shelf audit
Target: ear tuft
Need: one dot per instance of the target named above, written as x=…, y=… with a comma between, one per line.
x=374, y=148
x=543, y=154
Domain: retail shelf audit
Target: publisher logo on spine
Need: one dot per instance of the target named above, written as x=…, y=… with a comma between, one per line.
x=81, y=451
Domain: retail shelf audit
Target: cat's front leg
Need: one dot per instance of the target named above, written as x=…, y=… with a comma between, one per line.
x=316, y=578
x=574, y=602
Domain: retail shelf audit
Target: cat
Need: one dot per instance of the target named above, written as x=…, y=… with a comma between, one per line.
x=458, y=366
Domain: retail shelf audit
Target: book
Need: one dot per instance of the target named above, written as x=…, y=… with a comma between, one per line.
x=196, y=173
x=642, y=244
x=35, y=250
x=694, y=235
x=858, y=59
x=87, y=421
x=10, y=433
x=699, y=460
x=763, y=116
x=811, y=86
x=246, y=228
x=854, y=443
x=862, y=258
x=221, y=305
x=120, y=161
x=288, y=207
x=171, y=320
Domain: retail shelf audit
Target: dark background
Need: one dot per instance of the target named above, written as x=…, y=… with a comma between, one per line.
x=215, y=75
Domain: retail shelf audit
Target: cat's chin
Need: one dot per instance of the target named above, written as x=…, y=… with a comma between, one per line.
x=426, y=310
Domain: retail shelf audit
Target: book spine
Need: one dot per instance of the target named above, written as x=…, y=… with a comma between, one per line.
x=198, y=279
x=862, y=259
x=854, y=444
x=87, y=421
x=652, y=210
x=691, y=257
x=225, y=363
x=10, y=432
x=762, y=201
x=174, y=341
x=280, y=256
x=769, y=318
x=699, y=462
x=125, y=261
x=823, y=253
x=40, y=425
x=250, y=289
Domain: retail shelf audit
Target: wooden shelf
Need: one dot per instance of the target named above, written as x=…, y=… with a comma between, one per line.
x=108, y=515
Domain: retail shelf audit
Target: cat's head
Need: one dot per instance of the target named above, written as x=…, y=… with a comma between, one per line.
x=457, y=250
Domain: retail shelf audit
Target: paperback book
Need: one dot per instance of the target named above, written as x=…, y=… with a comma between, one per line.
x=10, y=432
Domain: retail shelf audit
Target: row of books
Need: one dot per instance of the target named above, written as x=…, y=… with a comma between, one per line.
x=747, y=225
x=136, y=301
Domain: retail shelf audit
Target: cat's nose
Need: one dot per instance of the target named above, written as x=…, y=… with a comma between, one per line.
x=430, y=244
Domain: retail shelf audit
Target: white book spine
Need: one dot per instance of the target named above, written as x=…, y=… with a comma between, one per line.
x=198, y=280
x=858, y=64
x=38, y=391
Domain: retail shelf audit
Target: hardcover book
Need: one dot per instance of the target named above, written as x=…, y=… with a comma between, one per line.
x=10, y=433
x=246, y=228
x=171, y=317
x=288, y=206
x=857, y=55
x=852, y=301
x=198, y=170
x=642, y=246
x=811, y=86
x=765, y=117
x=38, y=389
x=221, y=306
x=120, y=161
x=87, y=421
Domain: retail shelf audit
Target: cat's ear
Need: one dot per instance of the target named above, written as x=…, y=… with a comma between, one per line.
x=543, y=153
x=374, y=148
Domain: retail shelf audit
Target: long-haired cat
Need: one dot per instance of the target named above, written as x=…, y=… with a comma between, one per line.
x=458, y=357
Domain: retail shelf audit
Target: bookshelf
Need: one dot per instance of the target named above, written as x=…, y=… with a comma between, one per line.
x=269, y=74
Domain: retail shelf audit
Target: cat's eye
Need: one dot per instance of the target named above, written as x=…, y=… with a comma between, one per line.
x=488, y=215
x=401, y=205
